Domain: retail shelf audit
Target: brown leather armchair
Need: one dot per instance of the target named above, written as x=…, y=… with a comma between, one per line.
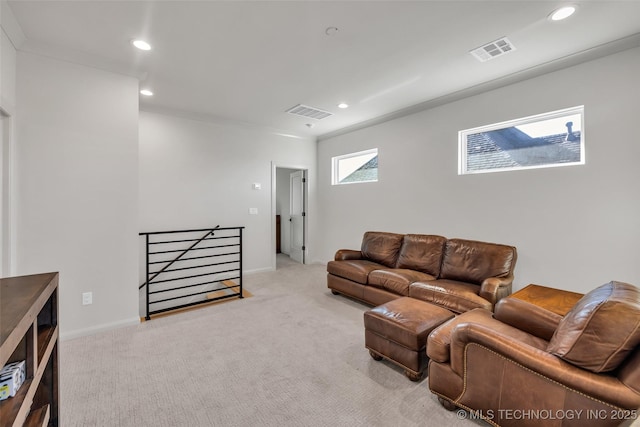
x=535, y=362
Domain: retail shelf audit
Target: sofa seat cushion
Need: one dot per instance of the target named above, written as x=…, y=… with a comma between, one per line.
x=453, y=295
x=601, y=329
x=356, y=270
x=396, y=280
x=422, y=252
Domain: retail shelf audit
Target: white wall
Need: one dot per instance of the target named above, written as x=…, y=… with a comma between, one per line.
x=574, y=227
x=196, y=174
x=77, y=208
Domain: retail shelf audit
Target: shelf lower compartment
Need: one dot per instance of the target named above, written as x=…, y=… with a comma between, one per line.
x=38, y=417
x=15, y=407
x=45, y=337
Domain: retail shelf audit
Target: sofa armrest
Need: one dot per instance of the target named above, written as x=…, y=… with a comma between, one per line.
x=539, y=363
x=493, y=289
x=347, y=254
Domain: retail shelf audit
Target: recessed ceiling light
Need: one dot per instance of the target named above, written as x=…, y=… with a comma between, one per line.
x=141, y=44
x=562, y=13
x=343, y=105
x=146, y=92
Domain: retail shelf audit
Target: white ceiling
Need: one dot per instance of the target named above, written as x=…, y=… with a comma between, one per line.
x=248, y=62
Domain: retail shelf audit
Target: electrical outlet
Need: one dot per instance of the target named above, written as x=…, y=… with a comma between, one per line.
x=253, y=211
x=87, y=298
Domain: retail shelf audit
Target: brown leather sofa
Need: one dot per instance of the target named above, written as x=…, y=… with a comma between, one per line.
x=456, y=274
x=537, y=363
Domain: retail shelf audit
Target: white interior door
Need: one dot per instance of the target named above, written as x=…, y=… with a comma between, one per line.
x=297, y=215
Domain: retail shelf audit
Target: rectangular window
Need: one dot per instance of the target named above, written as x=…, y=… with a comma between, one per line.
x=355, y=167
x=541, y=141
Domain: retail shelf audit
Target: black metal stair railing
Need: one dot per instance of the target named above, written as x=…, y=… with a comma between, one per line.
x=177, y=277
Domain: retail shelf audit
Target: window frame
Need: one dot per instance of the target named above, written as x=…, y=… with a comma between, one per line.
x=463, y=139
x=335, y=166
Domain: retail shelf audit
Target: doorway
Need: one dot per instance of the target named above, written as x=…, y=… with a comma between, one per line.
x=296, y=216
x=289, y=206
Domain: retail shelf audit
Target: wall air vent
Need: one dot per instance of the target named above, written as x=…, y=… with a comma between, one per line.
x=306, y=111
x=493, y=50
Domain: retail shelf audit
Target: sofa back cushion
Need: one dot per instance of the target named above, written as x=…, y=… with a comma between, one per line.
x=472, y=262
x=601, y=330
x=422, y=253
x=381, y=247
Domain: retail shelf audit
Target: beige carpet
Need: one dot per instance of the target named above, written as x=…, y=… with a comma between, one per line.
x=292, y=355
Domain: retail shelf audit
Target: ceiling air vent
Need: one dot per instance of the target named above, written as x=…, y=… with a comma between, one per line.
x=493, y=50
x=306, y=111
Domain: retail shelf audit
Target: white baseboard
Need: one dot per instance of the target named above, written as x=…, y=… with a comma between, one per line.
x=100, y=328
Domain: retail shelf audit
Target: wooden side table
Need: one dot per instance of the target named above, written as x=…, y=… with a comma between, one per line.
x=555, y=300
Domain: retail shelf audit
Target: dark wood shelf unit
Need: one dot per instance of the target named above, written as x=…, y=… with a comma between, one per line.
x=29, y=331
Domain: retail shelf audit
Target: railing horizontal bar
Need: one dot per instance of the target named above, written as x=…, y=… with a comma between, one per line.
x=235, y=236
x=198, y=266
x=197, y=257
x=188, y=231
x=194, y=285
x=164, y=310
x=195, y=275
x=194, y=249
x=183, y=296
x=199, y=284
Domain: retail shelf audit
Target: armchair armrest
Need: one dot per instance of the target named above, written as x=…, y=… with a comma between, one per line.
x=510, y=345
x=528, y=317
x=347, y=254
x=493, y=289
x=536, y=309
x=529, y=356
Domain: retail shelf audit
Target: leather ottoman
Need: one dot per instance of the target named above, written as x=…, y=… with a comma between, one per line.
x=398, y=331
